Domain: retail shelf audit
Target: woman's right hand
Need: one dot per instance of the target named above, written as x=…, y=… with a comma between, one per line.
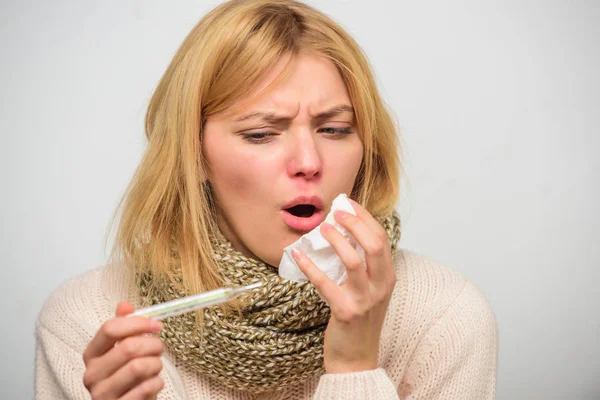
x=121, y=361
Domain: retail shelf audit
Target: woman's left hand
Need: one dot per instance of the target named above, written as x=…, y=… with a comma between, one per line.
x=358, y=307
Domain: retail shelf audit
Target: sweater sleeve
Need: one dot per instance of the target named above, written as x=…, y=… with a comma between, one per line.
x=59, y=369
x=457, y=357
x=65, y=325
x=367, y=385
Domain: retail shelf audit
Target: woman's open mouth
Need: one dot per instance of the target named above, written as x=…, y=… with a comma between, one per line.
x=302, y=217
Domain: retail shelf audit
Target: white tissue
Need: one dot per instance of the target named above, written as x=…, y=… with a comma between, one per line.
x=318, y=249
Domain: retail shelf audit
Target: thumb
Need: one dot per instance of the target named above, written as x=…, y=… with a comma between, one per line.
x=124, y=308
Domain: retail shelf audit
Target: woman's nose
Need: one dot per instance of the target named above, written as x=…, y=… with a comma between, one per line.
x=304, y=159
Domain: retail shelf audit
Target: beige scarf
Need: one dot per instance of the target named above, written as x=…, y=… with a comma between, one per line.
x=276, y=341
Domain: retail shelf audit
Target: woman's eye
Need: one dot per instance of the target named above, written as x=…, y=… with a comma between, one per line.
x=336, y=131
x=258, y=137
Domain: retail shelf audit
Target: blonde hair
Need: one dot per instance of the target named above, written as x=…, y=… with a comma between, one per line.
x=166, y=214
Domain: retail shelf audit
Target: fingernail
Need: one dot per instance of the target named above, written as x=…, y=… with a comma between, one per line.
x=297, y=254
x=155, y=325
x=326, y=227
x=341, y=214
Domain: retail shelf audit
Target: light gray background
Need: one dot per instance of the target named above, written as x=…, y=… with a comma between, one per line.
x=498, y=104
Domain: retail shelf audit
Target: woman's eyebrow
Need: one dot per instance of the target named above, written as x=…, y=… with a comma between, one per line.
x=334, y=112
x=267, y=116
x=273, y=117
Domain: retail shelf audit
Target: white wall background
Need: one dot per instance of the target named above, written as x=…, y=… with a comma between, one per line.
x=498, y=103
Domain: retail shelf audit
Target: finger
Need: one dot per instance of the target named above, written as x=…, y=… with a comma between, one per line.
x=147, y=390
x=124, y=308
x=376, y=248
x=128, y=377
x=367, y=218
x=132, y=347
x=115, y=330
x=355, y=266
x=331, y=292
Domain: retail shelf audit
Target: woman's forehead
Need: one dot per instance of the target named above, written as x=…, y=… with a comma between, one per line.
x=313, y=85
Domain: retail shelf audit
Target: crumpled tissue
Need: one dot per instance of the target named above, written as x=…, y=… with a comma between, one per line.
x=318, y=249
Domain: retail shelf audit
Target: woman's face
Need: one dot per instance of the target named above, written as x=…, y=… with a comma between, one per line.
x=277, y=162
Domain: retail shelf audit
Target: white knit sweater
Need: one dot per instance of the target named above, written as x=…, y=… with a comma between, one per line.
x=438, y=342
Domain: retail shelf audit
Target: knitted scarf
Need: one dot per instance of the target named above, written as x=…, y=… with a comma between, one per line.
x=277, y=340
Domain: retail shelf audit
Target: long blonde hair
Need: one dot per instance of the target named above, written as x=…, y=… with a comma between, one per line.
x=166, y=213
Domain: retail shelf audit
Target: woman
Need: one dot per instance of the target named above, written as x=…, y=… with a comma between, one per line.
x=266, y=113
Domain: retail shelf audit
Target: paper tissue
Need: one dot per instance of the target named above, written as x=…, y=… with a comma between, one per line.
x=318, y=249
